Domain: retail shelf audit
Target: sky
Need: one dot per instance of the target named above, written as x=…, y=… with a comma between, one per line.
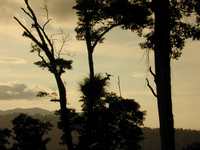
x=119, y=55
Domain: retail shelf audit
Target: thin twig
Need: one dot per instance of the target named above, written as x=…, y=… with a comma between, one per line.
x=55, y=100
x=36, y=24
x=151, y=88
x=64, y=39
x=152, y=73
x=45, y=24
x=119, y=86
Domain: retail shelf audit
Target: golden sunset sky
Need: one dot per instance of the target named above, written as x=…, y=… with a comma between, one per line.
x=119, y=55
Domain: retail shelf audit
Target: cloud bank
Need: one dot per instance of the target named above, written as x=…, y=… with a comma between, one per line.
x=16, y=91
x=12, y=60
x=59, y=9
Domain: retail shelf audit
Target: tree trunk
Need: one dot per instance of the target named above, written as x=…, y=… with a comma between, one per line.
x=91, y=64
x=90, y=53
x=64, y=112
x=163, y=74
x=90, y=103
x=90, y=111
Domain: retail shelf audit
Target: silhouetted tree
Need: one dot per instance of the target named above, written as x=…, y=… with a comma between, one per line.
x=122, y=123
x=167, y=35
x=92, y=90
x=4, y=136
x=91, y=27
x=167, y=38
x=95, y=20
x=30, y=133
x=116, y=120
x=162, y=53
x=50, y=58
x=193, y=146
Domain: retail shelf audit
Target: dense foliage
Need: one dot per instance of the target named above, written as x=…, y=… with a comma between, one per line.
x=29, y=133
x=116, y=121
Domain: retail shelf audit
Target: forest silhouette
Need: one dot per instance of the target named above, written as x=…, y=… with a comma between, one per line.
x=107, y=121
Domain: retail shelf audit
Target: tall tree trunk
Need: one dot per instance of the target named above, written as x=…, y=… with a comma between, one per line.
x=163, y=73
x=90, y=111
x=90, y=103
x=90, y=50
x=64, y=112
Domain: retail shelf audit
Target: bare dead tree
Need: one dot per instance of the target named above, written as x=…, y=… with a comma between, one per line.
x=43, y=46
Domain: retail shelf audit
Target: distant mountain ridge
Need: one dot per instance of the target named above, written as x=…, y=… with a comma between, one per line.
x=30, y=111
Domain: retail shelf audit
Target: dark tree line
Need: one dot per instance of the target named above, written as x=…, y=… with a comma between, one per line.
x=29, y=133
x=193, y=146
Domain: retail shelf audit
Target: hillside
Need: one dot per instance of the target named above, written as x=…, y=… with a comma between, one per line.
x=30, y=111
x=151, y=136
x=183, y=137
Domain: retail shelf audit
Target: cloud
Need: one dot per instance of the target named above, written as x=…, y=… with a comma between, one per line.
x=16, y=91
x=12, y=60
x=60, y=9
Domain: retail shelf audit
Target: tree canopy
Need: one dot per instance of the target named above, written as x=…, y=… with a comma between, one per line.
x=29, y=133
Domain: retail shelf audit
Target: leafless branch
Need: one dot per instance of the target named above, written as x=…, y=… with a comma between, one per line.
x=64, y=39
x=46, y=10
x=27, y=13
x=40, y=31
x=152, y=73
x=151, y=88
x=119, y=86
x=33, y=38
x=46, y=23
x=29, y=34
x=55, y=100
x=47, y=38
x=42, y=28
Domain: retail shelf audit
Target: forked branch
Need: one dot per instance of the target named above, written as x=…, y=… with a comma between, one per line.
x=28, y=33
x=102, y=34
